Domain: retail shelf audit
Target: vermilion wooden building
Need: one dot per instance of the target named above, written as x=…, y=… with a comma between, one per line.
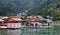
x=34, y=22
x=13, y=22
x=40, y=23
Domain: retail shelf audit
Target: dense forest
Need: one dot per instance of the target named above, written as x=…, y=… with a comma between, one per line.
x=47, y=8
x=4, y=11
x=39, y=7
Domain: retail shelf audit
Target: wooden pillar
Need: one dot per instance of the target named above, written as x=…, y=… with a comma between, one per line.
x=0, y=25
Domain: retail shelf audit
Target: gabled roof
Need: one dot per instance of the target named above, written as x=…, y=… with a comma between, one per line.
x=34, y=20
x=12, y=19
x=17, y=19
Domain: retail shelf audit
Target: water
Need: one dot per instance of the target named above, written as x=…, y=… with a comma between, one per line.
x=10, y=32
x=31, y=31
x=37, y=31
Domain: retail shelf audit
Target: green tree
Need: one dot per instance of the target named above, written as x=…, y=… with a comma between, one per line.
x=56, y=17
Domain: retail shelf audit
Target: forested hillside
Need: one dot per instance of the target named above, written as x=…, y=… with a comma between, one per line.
x=4, y=11
x=34, y=7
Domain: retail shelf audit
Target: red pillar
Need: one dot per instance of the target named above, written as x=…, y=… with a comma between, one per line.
x=0, y=25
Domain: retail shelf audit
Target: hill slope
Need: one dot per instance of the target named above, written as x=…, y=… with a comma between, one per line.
x=4, y=11
x=38, y=7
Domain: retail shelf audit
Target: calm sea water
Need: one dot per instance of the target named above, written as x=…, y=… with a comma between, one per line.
x=31, y=31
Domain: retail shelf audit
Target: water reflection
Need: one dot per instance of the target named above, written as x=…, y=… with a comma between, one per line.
x=10, y=32
x=31, y=31
x=3, y=32
x=37, y=31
